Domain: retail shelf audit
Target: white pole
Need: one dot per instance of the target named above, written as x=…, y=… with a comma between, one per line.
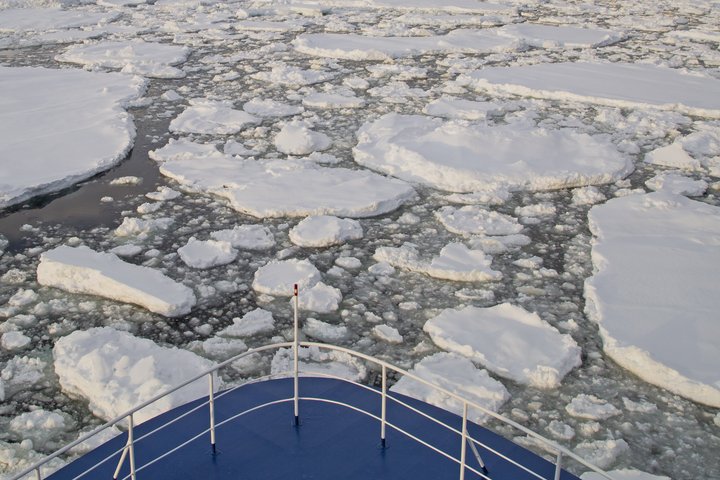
x=211, y=381
x=122, y=459
x=463, y=447
x=384, y=405
x=131, y=447
x=558, y=467
x=296, y=353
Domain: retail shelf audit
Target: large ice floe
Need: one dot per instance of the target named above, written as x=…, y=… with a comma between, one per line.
x=277, y=188
x=546, y=36
x=508, y=341
x=458, y=157
x=82, y=270
x=42, y=19
x=614, y=84
x=155, y=60
x=457, y=375
x=654, y=292
x=116, y=371
x=80, y=117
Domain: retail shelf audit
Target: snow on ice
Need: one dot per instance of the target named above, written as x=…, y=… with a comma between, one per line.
x=246, y=237
x=207, y=253
x=296, y=138
x=116, y=371
x=324, y=231
x=255, y=322
x=459, y=376
x=457, y=157
x=211, y=117
x=509, y=341
x=278, y=277
x=653, y=294
x=80, y=117
x=82, y=270
x=314, y=361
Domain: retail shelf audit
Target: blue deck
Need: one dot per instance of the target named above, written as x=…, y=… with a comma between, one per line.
x=332, y=441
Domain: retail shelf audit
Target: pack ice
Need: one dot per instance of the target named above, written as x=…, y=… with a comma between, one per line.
x=508, y=341
x=82, y=270
x=654, y=292
x=116, y=371
x=458, y=157
x=78, y=115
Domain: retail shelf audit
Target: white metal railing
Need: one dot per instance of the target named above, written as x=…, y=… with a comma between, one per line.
x=128, y=451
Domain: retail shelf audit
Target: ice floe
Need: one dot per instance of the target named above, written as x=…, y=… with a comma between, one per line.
x=477, y=220
x=652, y=293
x=464, y=158
x=673, y=155
x=278, y=277
x=43, y=19
x=277, y=188
x=255, y=322
x=624, y=474
x=361, y=47
x=296, y=138
x=116, y=371
x=677, y=183
x=614, y=84
x=80, y=117
x=283, y=74
x=591, y=407
x=211, y=117
x=508, y=341
x=549, y=36
x=320, y=298
x=332, y=100
x=324, y=231
x=323, y=331
x=314, y=361
x=602, y=453
x=458, y=375
x=271, y=108
x=207, y=253
x=461, y=109
x=82, y=270
x=154, y=60
x=455, y=262
x=246, y=237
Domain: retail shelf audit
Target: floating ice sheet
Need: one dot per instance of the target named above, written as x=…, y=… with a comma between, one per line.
x=614, y=84
x=82, y=270
x=58, y=127
x=210, y=117
x=325, y=230
x=41, y=19
x=654, y=290
x=457, y=157
x=508, y=341
x=116, y=371
x=545, y=36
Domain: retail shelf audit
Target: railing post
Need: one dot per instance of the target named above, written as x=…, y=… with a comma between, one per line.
x=463, y=447
x=131, y=446
x=296, y=353
x=38, y=474
x=211, y=403
x=384, y=406
x=558, y=466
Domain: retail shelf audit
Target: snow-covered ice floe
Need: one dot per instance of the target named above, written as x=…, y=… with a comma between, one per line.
x=624, y=474
x=654, y=292
x=614, y=84
x=547, y=36
x=79, y=116
x=458, y=375
x=314, y=361
x=277, y=188
x=457, y=157
x=116, y=371
x=42, y=19
x=82, y=270
x=155, y=60
x=325, y=230
x=207, y=253
x=360, y=47
x=508, y=341
x=211, y=117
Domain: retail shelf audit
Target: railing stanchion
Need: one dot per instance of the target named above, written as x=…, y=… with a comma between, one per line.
x=211, y=381
x=122, y=460
x=384, y=406
x=463, y=447
x=296, y=353
x=38, y=474
x=131, y=446
x=558, y=466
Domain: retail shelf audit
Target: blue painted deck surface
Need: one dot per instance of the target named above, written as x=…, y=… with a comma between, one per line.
x=332, y=442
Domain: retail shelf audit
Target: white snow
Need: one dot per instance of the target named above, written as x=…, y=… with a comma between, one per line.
x=85, y=271
x=154, y=60
x=40, y=426
x=320, y=298
x=477, y=220
x=255, y=322
x=271, y=108
x=677, y=183
x=278, y=188
x=388, y=334
x=587, y=196
x=43, y=19
x=602, y=453
x=14, y=341
x=296, y=138
x=211, y=117
x=458, y=375
x=142, y=228
x=207, y=253
x=361, y=47
x=316, y=362
x=508, y=341
x=77, y=115
x=613, y=84
x=673, y=156
x=324, y=231
x=550, y=36
x=293, y=76
x=246, y=237
x=624, y=474
x=653, y=294
x=458, y=157
x=115, y=371
x=332, y=100
x=455, y=262
x=459, y=108
x=323, y=331
x=591, y=407
x=278, y=277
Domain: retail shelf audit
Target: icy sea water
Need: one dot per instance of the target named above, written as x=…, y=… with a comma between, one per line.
x=678, y=438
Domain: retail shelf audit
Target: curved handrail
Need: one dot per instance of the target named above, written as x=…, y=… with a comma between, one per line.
x=381, y=363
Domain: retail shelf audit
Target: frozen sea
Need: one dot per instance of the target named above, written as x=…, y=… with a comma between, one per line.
x=417, y=166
